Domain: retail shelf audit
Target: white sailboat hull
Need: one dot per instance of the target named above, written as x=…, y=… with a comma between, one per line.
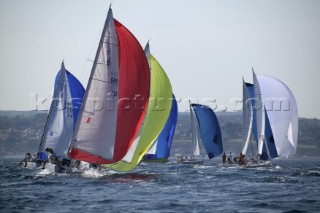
x=29, y=165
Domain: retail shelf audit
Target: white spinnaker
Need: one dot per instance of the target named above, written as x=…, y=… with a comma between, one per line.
x=247, y=117
x=281, y=109
x=59, y=128
x=294, y=125
x=260, y=113
x=98, y=118
x=195, y=138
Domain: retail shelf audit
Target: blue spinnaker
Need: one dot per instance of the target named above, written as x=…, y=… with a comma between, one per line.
x=76, y=91
x=209, y=130
x=165, y=137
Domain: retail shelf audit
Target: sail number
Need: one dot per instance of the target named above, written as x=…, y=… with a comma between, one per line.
x=114, y=93
x=114, y=80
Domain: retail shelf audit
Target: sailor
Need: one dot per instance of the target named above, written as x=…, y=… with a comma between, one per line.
x=230, y=158
x=27, y=159
x=224, y=158
x=52, y=158
x=241, y=159
x=34, y=158
x=47, y=150
x=245, y=161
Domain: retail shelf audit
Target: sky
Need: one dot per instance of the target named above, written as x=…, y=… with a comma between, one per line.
x=205, y=46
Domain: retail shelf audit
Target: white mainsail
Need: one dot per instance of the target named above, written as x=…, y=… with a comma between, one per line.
x=195, y=138
x=260, y=113
x=98, y=118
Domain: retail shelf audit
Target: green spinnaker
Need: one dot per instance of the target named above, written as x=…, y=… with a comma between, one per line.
x=156, y=117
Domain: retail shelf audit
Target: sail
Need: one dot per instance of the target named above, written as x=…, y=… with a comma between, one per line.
x=195, y=136
x=259, y=114
x=269, y=149
x=63, y=113
x=158, y=111
x=162, y=146
x=209, y=130
x=282, y=116
x=247, y=117
x=115, y=100
x=250, y=89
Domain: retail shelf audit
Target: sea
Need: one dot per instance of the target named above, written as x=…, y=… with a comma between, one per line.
x=285, y=185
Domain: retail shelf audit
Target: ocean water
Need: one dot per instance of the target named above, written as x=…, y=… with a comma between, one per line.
x=288, y=185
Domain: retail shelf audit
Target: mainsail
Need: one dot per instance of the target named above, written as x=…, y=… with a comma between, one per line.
x=194, y=134
x=260, y=114
x=115, y=100
x=162, y=146
x=158, y=111
x=63, y=113
x=209, y=130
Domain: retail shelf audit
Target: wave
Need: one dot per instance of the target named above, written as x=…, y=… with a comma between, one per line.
x=307, y=173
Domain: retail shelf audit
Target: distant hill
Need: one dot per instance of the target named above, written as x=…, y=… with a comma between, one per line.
x=21, y=113
x=231, y=130
x=21, y=131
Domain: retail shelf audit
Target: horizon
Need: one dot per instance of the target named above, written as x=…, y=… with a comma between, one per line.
x=181, y=112
x=205, y=48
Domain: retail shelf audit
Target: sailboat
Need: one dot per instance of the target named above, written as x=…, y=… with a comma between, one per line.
x=160, y=150
x=116, y=98
x=205, y=127
x=159, y=108
x=274, y=118
x=277, y=118
x=62, y=116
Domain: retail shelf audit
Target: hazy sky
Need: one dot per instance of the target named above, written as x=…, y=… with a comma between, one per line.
x=204, y=46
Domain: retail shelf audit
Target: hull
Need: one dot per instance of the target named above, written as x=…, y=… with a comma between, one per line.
x=159, y=160
x=248, y=165
x=185, y=160
x=29, y=165
x=259, y=164
x=53, y=168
